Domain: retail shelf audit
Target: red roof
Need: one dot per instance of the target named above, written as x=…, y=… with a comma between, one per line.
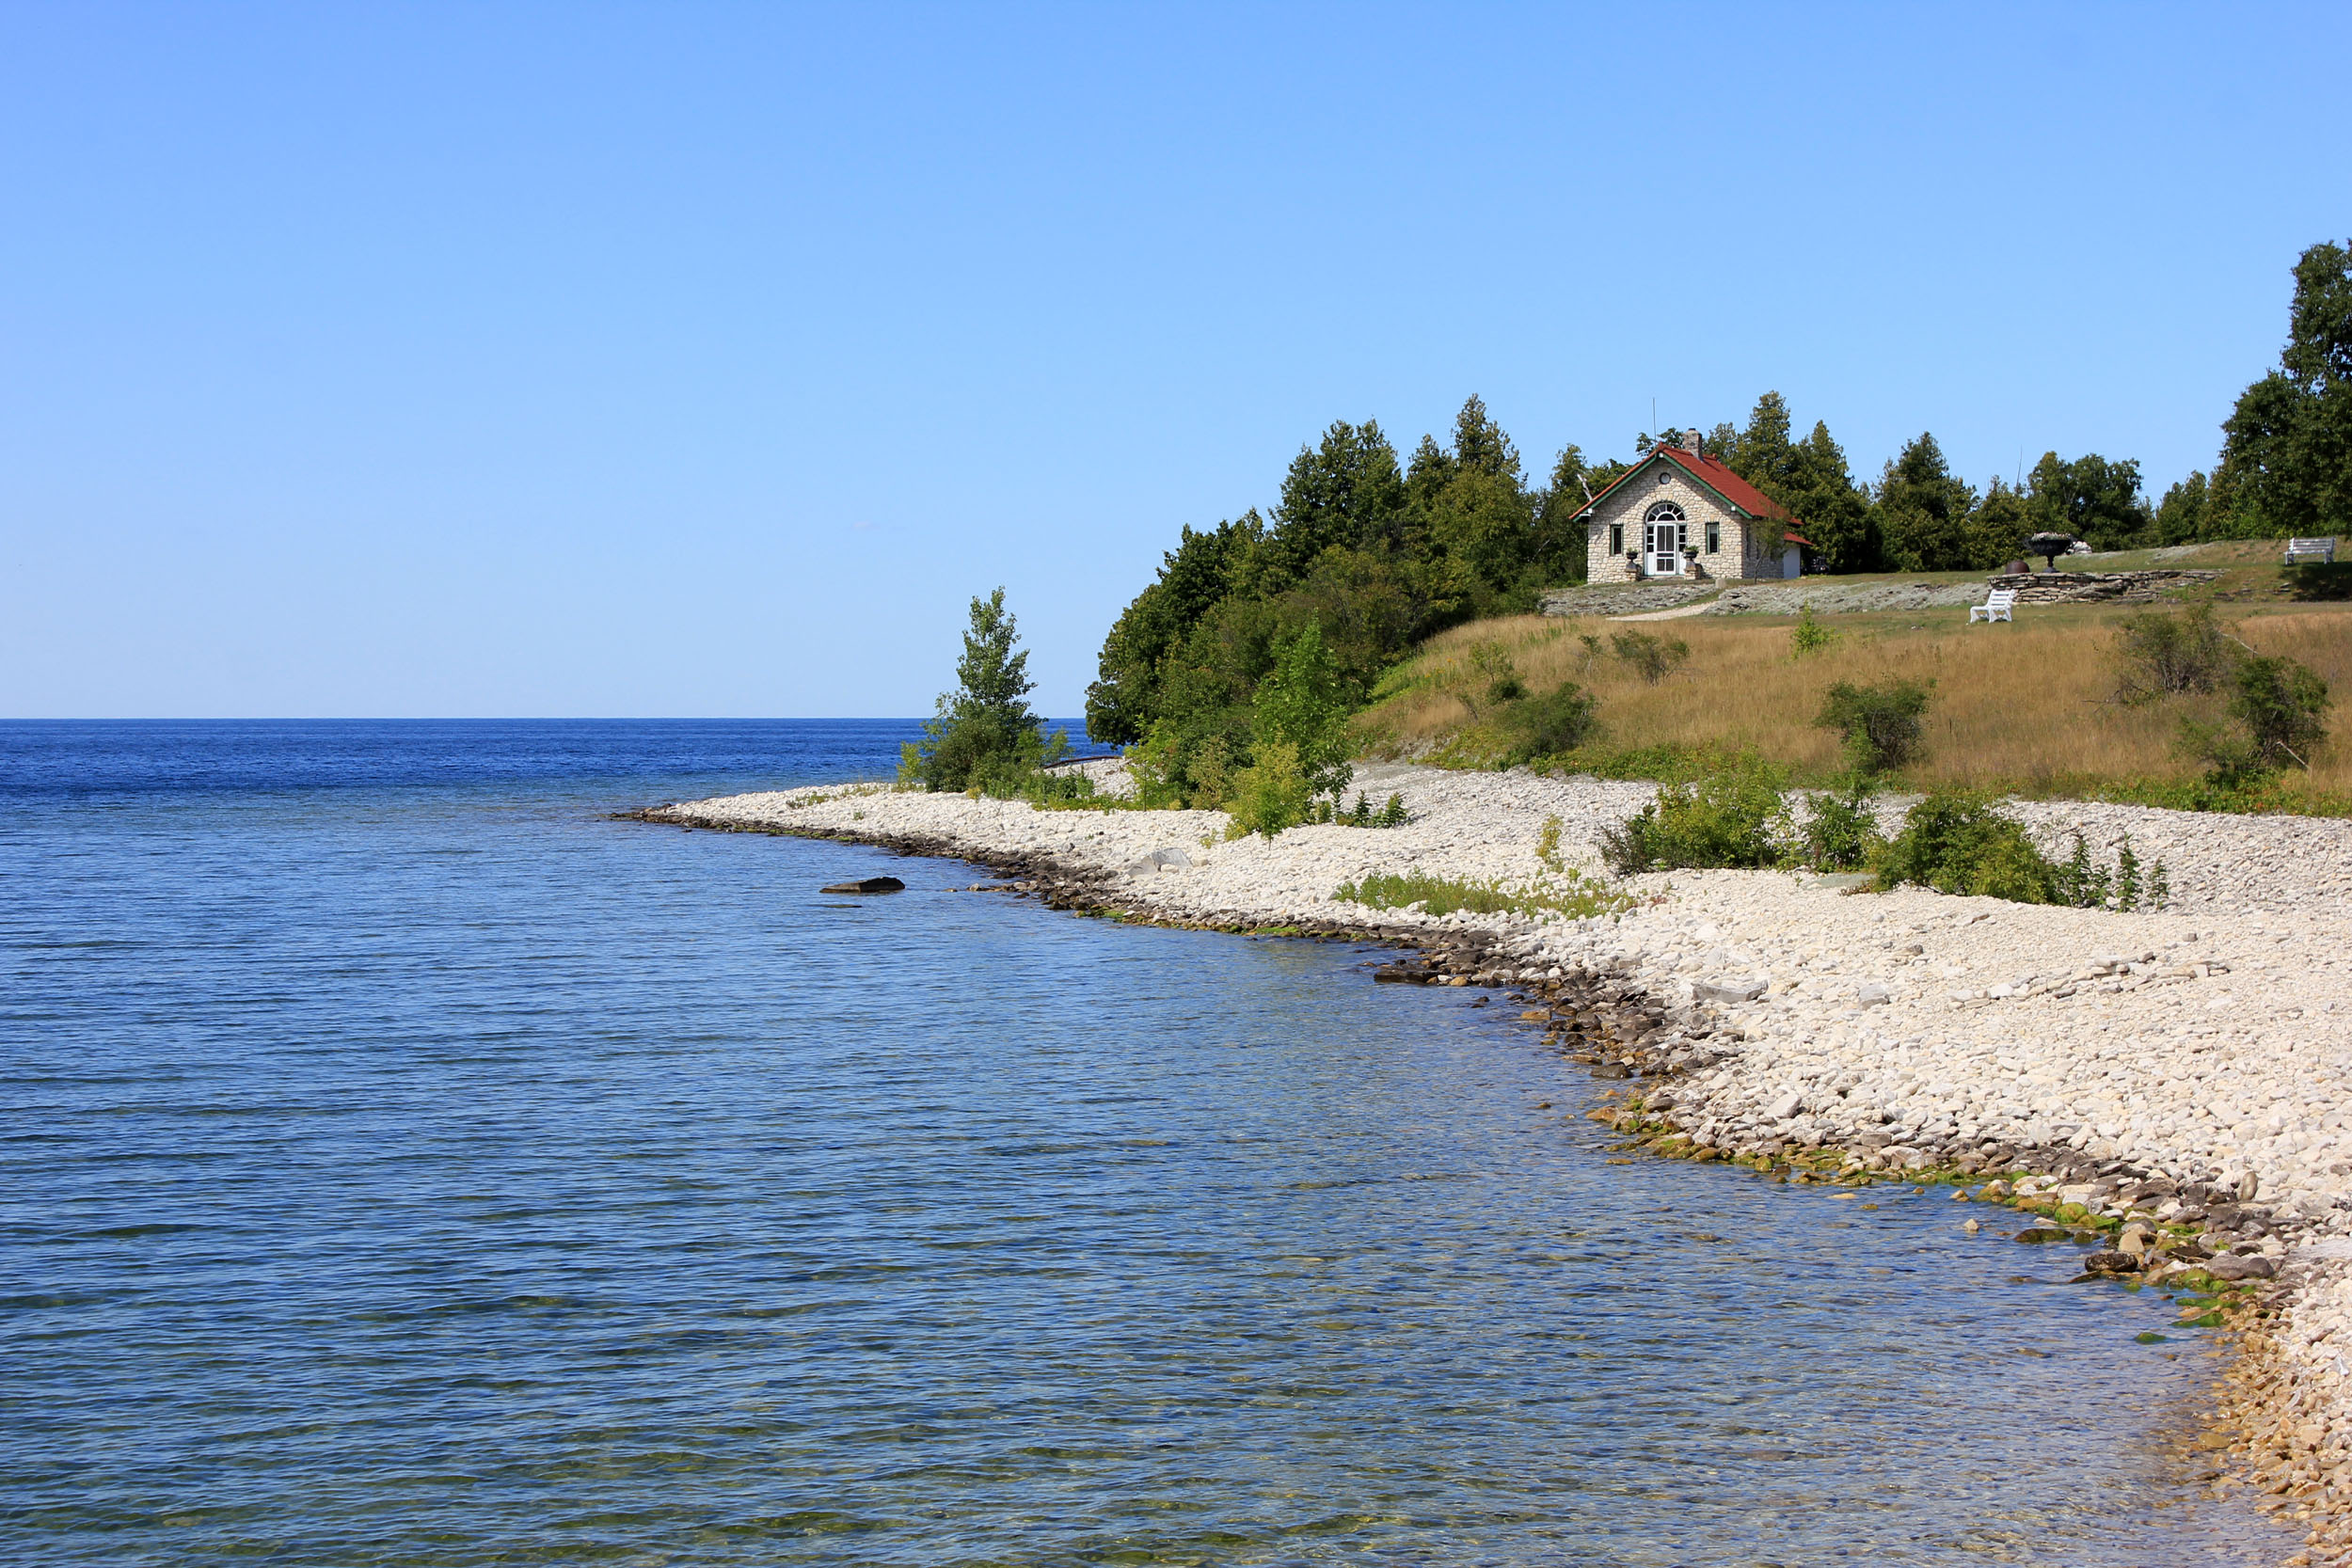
x=1715, y=475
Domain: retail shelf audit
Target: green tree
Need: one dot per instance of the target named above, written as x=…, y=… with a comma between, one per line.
x=1125, y=699
x=2092, y=499
x=1923, y=508
x=2286, y=455
x=982, y=731
x=1999, y=525
x=1345, y=491
x=1810, y=479
x=1559, y=545
x=2181, y=516
x=1302, y=704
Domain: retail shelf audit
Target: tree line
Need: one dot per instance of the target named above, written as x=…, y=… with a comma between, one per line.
x=1377, y=554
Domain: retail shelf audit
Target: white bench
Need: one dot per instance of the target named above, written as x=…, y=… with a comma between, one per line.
x=1995, y=608
x=2323, y=548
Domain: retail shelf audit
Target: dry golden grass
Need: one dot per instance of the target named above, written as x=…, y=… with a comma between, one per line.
x=2028, y=707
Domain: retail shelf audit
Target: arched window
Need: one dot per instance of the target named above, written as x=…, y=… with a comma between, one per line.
x=1663, y=533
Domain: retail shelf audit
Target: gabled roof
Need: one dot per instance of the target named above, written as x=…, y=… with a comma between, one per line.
x=1713, y=473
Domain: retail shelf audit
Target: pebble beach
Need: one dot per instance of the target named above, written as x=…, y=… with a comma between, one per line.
x=2172, y=1081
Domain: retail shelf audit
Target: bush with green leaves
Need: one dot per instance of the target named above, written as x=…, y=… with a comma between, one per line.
x=1298, y=742
x=1840, y=832
x=1652, y=657
x=2171, y=653
x=1810, y=635
x=1729, y=815
x=1550, y=725
x=1390, y=815
x=2280, y=707
x=1957, y=841
x=1501, y=675
x=1880, y=723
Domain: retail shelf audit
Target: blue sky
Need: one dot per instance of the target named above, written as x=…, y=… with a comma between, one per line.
x=576, y=359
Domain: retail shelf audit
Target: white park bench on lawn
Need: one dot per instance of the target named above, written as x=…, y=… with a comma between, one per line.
x=1995, y=608
x=2323, y=548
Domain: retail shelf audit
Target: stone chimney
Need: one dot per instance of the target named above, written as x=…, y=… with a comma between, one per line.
x=1690, y=440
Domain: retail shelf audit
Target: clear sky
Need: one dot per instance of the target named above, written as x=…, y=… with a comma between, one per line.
x=704, y=360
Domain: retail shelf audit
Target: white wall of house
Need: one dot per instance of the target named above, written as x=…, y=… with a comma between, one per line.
x=1620, y=524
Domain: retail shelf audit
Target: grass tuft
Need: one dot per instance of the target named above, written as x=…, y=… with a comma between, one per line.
x=1569, y=893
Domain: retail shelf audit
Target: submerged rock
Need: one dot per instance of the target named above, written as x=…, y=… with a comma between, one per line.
x=868, y=884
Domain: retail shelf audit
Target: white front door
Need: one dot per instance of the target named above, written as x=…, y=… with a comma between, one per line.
x=1664, y=549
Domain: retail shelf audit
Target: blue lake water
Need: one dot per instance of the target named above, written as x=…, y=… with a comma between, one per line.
x=402, y=1163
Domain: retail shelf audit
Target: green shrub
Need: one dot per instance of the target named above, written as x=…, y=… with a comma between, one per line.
x=1653, y=658
x=1271, y=794
x=1301, y=704
x=1731, y=816
x=1550, y=725
x=1955, y=841
x=1548, y=845
x=1573, y=894
x=2280, y=702
x=1879, y=724
x=2277, y=705
x=1363, y=816
x=1840, y=832
x=2171, y=653
x=1809, y=636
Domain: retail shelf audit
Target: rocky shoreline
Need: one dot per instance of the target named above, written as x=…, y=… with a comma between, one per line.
x=2159, y=1087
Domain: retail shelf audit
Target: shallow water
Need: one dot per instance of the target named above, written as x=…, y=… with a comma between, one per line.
x=404, y=1163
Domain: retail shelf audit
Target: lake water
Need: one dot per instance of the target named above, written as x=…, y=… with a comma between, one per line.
x=406, y=1164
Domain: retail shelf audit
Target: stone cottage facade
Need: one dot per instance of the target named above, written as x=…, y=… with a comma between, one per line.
x=1680, y=513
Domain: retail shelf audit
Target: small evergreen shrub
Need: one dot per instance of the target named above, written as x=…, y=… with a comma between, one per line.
x=1954, y=841
x=1880, y=723
x=1363, y=816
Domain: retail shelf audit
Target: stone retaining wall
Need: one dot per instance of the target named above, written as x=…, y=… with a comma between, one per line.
x=2079, y=587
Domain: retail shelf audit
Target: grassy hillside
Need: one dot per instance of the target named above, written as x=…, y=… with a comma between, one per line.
x=2028, y=707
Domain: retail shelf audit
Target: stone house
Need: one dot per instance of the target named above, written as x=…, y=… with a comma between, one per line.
x=1681, y=514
